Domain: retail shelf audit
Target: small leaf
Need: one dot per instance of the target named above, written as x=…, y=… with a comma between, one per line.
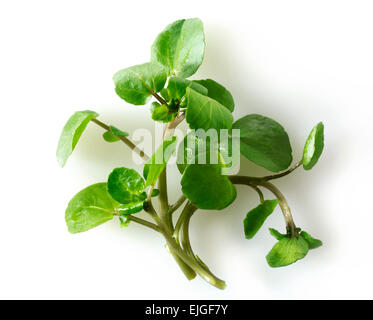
x=89, y=208
x=264, y=142
x=156, y=164
x=312, y=242
x=109, y=137
x=313, y=147
x=161, y=113
x=277, y=234
x=124, y=221
x=176, y=87
x=205, y=113
x=155, y=193
x=287, y=251
x=206, y=187
x=180, y=47
x=117, y=132
x=127, y=187
x=136, y=84
x=217, y=92
x=131, y=208
x=71, y=133
x=256, y=217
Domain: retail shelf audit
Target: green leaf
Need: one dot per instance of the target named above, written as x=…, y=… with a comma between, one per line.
x=313, y=147
x=117, y=132
x=127, y=187
x=156, y=164
x=180, y=47
x=256, y=217
x=217, y=92
x=206, y=187
x=136, y=84
x=264, y=142
x=71, y=133
x=130, y=208
x=277, y=234
x=109, y=137
x=155, y=193
x=205, y=113
x=124, y=221
x=161, y=113
x=89, y=208
x=176, y=87
x=199, y=148
x=287, y=251
x=312, y=242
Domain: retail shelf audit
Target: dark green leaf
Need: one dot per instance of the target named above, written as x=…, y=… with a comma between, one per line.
x=205, y=113
x=180, y=47
x=256, y=217
x=287, y=251
x=131, y=208
x=217, y=92
x=177, y=87
x=127, y=187
x=276, y=234
x=313, y=147
x=264, y=142
x=117, y=132
x=312, y=242
x=109, y=137
x=155, y=193
x=136, y=84
x=89, y=208
x=161, y=113
x=206, y=187
x=156, y=164
x=71, y=133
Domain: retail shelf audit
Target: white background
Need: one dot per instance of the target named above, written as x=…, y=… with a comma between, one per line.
x=299, y=62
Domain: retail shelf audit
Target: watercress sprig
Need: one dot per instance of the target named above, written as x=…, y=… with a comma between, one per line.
x=205, y=105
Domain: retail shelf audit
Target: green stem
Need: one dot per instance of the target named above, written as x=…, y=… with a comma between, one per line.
x=143, y=222
x=282, y=174
x=177, y=204
x=127, y=141
x=199, y=269
x=290, y=225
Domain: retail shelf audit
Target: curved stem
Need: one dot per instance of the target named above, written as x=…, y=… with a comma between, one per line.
x=127, y=141
x=290, y=225
x=205, y=274
x=247, y=182
x=282, y=174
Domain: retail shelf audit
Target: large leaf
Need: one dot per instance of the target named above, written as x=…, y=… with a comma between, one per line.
x=136, y=84
x=313, y=147
x=71, y=133
x=256, y=217
x=156, y=164
x=176, y=87
x=127, y=187
x=206, y=187
x=264, y=142
x=217, y=92
x=287, y=251
x=205, y=113
x=180, y=47
x=89, y=208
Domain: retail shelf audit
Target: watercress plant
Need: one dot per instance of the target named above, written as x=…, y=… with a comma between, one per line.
x=205, y=105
